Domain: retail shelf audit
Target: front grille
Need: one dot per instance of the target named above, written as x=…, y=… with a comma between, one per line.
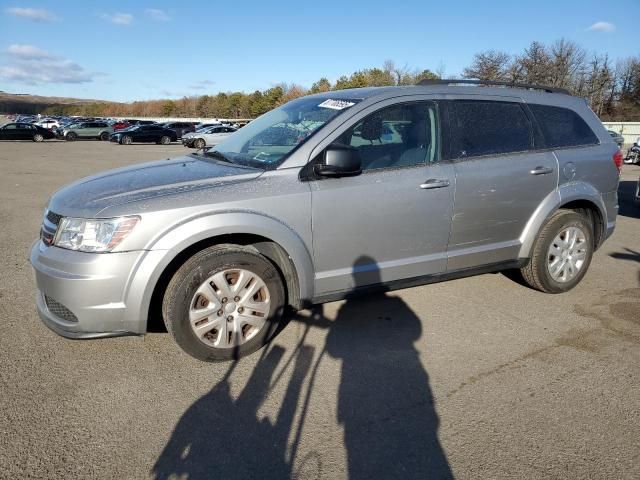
x=60, y=310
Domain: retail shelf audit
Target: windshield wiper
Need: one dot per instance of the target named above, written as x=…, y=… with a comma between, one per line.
x=218, y=155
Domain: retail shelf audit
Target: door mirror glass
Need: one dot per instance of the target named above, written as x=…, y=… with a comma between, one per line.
x=339, y=161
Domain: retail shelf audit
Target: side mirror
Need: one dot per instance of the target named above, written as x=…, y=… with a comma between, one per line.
x=339, y=161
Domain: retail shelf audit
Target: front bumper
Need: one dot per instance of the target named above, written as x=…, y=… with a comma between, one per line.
x=82, y=295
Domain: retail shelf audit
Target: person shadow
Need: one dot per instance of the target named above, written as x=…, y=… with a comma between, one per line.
x=385, y=404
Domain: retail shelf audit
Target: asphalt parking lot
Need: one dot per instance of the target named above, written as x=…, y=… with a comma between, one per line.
x=475, y=378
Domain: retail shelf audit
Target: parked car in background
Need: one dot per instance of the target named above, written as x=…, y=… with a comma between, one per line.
x=144, y=134
x=619, y=139
x=181, y=128
x=49, y=123
x=208, y=136
x=87, y=130
x=25, y=131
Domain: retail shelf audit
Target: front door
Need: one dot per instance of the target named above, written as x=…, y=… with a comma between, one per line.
x=392, y=221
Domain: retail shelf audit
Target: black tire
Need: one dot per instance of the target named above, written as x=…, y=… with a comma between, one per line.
x=71, y=137
x=193, y=273
x=536, y=273
x=199, y=143
x=38, y=138
x=104, y=136
x=126, y=140
x=165, y=140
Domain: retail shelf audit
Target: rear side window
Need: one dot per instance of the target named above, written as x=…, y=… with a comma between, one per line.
x=488, y=128
x=562, y=127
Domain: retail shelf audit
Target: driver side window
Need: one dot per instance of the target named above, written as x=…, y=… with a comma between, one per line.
x=402, y=135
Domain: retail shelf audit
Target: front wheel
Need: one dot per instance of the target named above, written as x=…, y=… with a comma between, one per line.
x=126, y=140
x=199, y=143
x=38, y=137
x=225, y=302
x=561, y=254
x=165, y=140
x=71, y=136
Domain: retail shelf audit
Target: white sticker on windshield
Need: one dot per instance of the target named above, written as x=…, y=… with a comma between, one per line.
x=336, y=104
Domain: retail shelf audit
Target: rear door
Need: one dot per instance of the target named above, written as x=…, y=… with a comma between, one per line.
x=500, y=179
x=25, y=131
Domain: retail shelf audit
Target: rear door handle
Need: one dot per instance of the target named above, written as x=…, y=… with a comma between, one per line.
x=434, y=183
x=541, y=171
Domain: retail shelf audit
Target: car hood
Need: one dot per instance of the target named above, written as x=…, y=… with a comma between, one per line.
x=89, y=196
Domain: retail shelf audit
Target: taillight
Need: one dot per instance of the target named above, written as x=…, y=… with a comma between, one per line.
x=617, y=159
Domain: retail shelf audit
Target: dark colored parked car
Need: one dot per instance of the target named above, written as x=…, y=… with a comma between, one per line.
x=145, y=134
x=181, y=128
x=24, y=131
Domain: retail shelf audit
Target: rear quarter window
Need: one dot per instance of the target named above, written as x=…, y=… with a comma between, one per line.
x=563, y=127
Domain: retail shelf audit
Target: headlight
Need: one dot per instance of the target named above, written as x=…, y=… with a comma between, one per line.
x=93, y=235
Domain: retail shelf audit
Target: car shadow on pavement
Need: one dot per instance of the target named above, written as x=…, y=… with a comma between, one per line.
x=384, y=403
x=626, y=192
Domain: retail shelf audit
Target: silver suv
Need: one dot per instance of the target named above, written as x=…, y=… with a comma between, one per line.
x=329, y=195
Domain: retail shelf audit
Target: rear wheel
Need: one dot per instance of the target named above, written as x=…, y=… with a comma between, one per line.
x=126, y=140
x=38, y=137
x=165, y=140
x=199, y=143
x=562, y=253
x=104, y=136
x=71, y=136
x=225, y=302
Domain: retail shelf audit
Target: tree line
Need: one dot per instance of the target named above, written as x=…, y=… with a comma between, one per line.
x=612, y=87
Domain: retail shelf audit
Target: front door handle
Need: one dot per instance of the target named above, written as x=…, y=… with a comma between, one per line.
x=434, y=183
x=541, y=171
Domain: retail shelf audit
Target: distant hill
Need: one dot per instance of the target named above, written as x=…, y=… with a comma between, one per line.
x=26, y=103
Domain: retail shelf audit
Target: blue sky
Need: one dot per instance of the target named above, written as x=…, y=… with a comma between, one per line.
x=157, y=49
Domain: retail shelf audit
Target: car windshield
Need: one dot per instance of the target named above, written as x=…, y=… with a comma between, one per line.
x=268, y=140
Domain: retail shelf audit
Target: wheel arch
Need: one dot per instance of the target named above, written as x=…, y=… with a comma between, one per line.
x=580, y=197
x=280, y=245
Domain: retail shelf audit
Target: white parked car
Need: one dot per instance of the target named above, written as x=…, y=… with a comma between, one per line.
x=207, y=136
x=49, y=123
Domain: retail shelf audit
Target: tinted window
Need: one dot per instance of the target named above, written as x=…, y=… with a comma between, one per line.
x=562, y=127
x=397, y=136
x=488, y=128
x=11, y=126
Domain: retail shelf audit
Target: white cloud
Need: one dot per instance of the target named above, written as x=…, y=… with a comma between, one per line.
x=158, y=15
x=202, y=85
x=35, y=14
x=118, y=18
x=27, y=51
x=31, y=65
x=602, y=27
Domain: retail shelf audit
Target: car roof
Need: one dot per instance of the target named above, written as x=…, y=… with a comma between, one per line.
x=381, y=93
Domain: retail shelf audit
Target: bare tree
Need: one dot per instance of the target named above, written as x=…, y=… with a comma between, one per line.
x=489, y=65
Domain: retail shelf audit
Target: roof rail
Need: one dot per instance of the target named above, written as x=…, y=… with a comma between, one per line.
x=527, y=86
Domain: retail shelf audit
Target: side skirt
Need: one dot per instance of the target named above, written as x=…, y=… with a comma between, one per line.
x=416, y=281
